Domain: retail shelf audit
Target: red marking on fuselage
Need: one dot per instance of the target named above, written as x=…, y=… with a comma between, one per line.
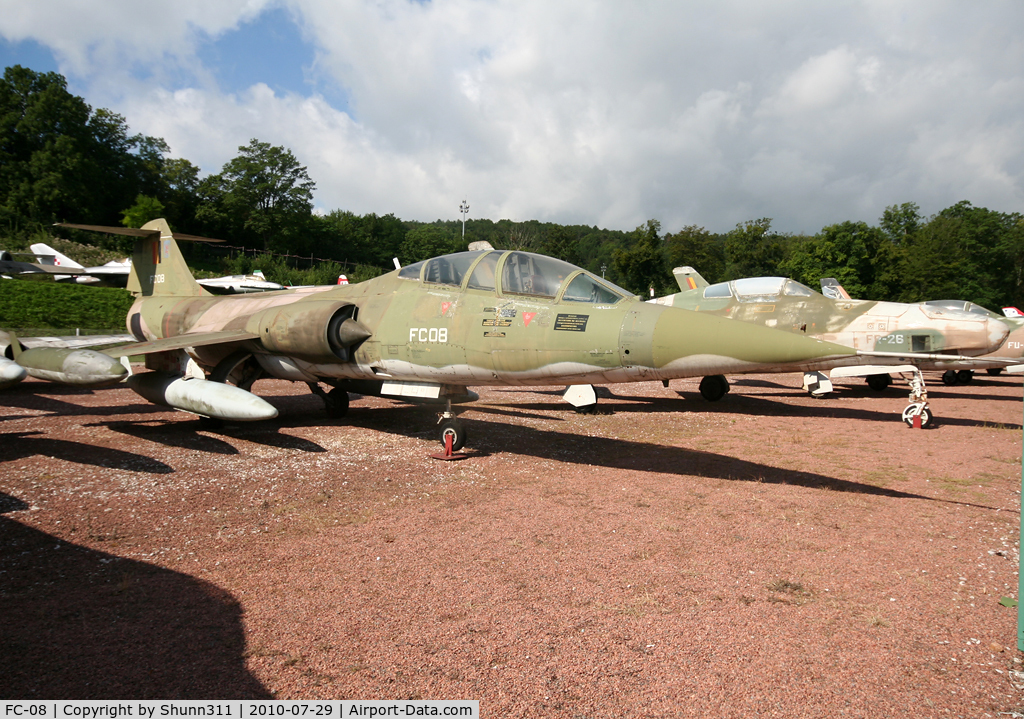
x=527, y=316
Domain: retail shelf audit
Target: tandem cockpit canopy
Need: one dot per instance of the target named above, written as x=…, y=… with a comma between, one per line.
x=758, y=289
x=515, y=273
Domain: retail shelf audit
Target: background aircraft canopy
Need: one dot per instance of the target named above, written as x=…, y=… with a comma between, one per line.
x=521, y=273
x=961, y=306
x=758, y=289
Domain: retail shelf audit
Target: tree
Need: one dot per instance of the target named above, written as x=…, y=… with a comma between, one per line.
x=964, y=252
x=424, y=242
x=698, y=248
x=753, y=250
x=901, y=222
x=849, y=251
x=262, y=196
x=642, y=265
x=60, y=160
x=145, y=209
x=561, y=242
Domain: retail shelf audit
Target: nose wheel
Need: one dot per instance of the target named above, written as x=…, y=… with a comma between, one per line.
x=452, y=435
x=916, y=414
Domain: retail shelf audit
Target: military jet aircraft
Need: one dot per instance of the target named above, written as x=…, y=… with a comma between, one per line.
x=424, y=332
x=890, y=333
x=111, y=274
x=961, y=371
x=115, y=274
x=11, y=266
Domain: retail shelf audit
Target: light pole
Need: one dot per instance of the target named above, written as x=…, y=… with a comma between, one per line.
x=464, y=209
x=603, y=268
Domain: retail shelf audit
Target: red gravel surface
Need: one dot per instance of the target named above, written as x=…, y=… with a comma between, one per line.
x=768, y=555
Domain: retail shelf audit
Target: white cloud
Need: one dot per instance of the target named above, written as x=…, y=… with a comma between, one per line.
x=603, y=113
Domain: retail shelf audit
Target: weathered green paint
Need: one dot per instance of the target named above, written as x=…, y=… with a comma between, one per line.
x=783, y=304
x=481, y=318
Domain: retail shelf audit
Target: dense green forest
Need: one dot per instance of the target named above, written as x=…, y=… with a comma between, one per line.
x=61, y=160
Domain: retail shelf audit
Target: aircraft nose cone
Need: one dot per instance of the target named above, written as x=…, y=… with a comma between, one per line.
x=682, y=337
x=998, y=331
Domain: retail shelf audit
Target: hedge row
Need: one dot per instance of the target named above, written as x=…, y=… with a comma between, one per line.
x=49, y=305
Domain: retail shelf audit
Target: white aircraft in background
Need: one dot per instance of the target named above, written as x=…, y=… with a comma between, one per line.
x=115, y=274
x=112, y=274
x=240, y=284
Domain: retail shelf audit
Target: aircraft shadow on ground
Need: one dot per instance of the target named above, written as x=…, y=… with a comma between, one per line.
x=19, y=445
x=11, y=504
x=738, y=403
x=188, y=433
x=44, y=403
x=171, y=434
x=82, y=624
x=490, y=437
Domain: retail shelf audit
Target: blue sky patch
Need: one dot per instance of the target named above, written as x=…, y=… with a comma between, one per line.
x=269, y=49
x=27, y=53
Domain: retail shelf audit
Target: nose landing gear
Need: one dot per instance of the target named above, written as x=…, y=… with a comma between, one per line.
x=916, y=414
x=453, y=435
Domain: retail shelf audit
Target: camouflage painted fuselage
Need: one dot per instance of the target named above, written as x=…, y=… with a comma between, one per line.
x=864, y=325
x=464, y=327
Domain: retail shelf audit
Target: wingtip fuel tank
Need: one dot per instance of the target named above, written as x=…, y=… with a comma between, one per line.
x=202, y=397
x=10, y=373
x=78, y=367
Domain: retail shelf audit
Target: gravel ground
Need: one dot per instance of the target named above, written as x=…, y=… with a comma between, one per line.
x=767, y=555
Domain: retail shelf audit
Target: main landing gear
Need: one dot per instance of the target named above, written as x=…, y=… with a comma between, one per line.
x=335, y=401
x=951, y=377
x=714, y=387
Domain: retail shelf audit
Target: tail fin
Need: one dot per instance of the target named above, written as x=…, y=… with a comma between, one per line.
x=46, y=255
x=689, y=279
x=831, y=288
x=158, y=269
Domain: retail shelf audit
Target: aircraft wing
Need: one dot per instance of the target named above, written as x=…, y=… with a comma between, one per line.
x=133, y=232
x=15, y=267
x=196, y=339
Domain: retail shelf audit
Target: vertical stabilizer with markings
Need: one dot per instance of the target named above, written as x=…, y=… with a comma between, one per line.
x=689, y=279
x=158, y=268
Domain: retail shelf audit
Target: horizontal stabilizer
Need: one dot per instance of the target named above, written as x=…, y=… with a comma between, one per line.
x=133, y=232
x=197, y=339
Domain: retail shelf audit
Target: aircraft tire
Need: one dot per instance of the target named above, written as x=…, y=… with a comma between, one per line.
x=879, y=382
x=586, y=408
x=964, y=376
x=908, y=416
x=336, y=403
x=457, y=430
x=994, y=371
x=949, y=377
x=714, y=387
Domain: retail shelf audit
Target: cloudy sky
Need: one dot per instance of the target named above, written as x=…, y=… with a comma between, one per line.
x=576, y=111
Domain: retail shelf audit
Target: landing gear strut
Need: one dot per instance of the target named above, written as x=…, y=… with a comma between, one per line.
x=453, y=434
x=335, y=401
